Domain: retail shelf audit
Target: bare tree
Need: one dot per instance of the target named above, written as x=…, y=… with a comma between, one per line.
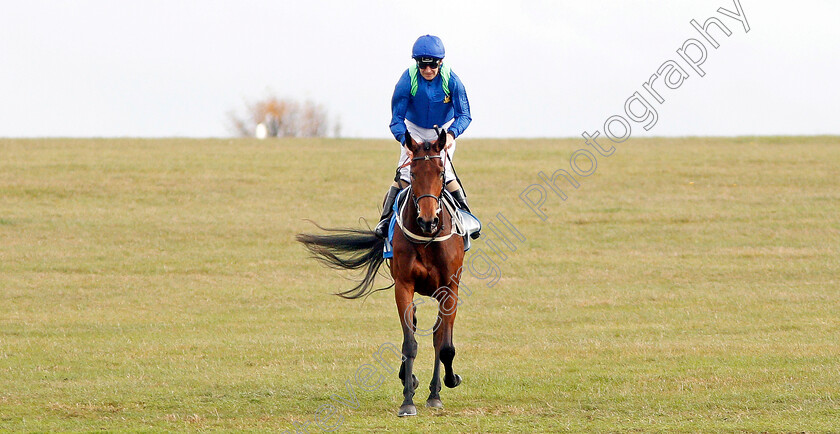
x=281, y=118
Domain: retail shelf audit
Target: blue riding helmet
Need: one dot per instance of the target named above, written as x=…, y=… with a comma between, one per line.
x=428, y=46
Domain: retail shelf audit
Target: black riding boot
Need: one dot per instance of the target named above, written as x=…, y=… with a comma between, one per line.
x=381, y=230
x=461, y=200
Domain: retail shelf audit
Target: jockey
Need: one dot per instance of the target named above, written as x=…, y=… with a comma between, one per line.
x=435, y=99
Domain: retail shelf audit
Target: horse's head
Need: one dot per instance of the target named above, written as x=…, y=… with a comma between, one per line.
x=427, y=180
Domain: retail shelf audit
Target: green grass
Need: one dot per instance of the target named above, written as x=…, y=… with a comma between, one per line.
x=688, y=285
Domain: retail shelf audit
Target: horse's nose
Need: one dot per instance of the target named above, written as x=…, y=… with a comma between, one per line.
x=423, y=224
x=426, y=225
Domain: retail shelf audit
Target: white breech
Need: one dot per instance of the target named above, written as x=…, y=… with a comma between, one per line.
x=428, y=135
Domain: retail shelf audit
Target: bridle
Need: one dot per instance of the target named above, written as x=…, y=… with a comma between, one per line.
x=421, y=239
x=439, y=197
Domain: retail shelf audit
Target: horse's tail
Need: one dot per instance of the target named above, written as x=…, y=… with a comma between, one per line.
x=349, y=249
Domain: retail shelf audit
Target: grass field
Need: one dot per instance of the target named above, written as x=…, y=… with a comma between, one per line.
x=688, y=285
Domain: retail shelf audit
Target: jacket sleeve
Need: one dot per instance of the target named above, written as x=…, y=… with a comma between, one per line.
x=461, y=105
x=399, y=105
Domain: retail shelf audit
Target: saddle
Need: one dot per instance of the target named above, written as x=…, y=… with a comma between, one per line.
x=463, y=223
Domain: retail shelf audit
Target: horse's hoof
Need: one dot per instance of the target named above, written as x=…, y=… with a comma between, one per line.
x=452, y=383
x=434, y=403
x=407, y=410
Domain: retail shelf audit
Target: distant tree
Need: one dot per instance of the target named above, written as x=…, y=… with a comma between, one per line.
x=281, y=118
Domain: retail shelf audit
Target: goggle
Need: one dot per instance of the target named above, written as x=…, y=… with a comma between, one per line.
x=428, y=63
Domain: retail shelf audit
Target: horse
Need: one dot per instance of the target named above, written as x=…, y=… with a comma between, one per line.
x=428, y=255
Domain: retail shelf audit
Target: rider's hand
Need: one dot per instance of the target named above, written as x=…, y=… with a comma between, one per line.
x=450, y=140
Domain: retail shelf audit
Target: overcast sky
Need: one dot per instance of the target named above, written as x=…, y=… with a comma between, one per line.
x=531, y=69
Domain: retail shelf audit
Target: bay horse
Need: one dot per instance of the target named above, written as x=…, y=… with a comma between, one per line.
x=427, y=258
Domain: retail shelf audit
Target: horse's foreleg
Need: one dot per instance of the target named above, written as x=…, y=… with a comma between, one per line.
x=448, y=308
x=402, y=365
x=434, y=387
x=406, y=310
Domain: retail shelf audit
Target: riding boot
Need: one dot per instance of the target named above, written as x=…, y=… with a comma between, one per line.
x=461, y=200
x=381, y=230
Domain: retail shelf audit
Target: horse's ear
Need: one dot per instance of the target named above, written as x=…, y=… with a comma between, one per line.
x=409, y=142
x=441, y=141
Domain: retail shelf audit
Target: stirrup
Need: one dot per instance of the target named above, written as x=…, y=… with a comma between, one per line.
x=461, y=201
x=381, y=230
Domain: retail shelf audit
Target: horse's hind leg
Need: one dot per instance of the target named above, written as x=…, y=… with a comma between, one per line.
x=406, y=310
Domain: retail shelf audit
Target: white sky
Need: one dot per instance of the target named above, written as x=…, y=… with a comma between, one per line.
x=531, y=69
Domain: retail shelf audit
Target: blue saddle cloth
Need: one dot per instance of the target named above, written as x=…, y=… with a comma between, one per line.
x=401, y=197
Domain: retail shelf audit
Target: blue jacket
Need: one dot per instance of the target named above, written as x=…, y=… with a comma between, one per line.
x=427, y=107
